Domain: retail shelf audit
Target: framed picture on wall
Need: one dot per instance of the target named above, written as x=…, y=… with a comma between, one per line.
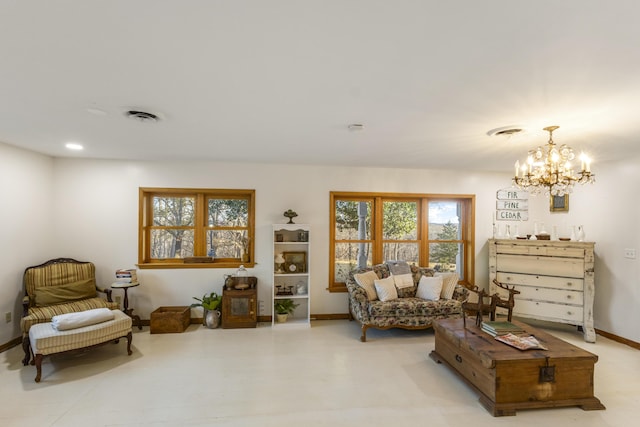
x=559, y=203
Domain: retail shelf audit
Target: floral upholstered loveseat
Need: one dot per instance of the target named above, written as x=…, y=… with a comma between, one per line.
x=407, y=311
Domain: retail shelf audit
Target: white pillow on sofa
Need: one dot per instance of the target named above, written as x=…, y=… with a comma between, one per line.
x=386, y=289
x=429, y=288
x=450, y=280
x=366, y=281
x=403, y=280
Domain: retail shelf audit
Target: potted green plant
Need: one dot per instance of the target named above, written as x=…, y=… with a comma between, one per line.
x=209, y=304
x=283, y=308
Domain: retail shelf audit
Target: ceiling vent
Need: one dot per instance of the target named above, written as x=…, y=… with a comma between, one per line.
x=512, y=131
x=506, y=131
x=142, y=116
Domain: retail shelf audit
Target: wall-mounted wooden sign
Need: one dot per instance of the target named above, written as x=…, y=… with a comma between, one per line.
x=512, y=205
x=512, y=195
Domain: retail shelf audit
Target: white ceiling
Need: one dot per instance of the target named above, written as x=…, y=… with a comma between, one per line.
x=281, y=80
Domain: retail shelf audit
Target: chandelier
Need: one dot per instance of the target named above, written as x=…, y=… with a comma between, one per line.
x=548, y=169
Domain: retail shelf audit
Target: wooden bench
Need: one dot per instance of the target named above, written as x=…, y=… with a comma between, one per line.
x=45, y=340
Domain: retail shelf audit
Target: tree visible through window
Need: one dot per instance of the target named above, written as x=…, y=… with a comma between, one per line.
x=428, y=230
x=179, y=224
x=174, y=218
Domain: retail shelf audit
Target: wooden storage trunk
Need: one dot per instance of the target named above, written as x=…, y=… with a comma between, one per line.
x=508, y=379
x=170, y=319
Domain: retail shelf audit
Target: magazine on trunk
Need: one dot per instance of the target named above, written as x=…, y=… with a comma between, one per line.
x=521, y=342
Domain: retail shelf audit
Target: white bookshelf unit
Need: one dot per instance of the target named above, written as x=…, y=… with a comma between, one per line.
x=293, y=276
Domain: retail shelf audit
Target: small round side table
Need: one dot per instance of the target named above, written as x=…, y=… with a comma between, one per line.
x=128, y=311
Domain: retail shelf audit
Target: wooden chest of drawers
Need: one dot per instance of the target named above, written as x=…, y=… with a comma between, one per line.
x=555, y=279
x=508, y=379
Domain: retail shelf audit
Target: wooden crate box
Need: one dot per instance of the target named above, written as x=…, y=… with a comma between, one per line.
x=170, y=319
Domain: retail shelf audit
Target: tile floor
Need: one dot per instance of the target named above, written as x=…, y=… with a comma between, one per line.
x=322, y=376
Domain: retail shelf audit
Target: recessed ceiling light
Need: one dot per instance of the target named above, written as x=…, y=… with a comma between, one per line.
x=74, y=146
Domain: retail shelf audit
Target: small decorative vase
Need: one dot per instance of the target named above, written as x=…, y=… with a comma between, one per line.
x=301, y=288
x=507, y=232
x=581, y=236
x=554, y=232
x=211, y=318
x=574, y=234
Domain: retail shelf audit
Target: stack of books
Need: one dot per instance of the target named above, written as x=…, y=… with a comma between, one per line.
x=126, y=276
x=495, y=328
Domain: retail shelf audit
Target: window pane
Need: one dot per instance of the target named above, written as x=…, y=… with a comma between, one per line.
x=173, y=211
x=170, y=243
x=400, y=221
x=444, y=221
x=226, y=243
x=445, y=257
x=401, y=251
x=350, y=256
x=353, y=220
x=228, y=213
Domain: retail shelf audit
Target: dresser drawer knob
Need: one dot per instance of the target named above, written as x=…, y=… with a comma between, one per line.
x=570, y=313
x=458, y=358
x=569, y=284
x=568, y=296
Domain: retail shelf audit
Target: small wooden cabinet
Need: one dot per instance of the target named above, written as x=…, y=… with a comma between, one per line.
x=239, y=308
x=555, y=279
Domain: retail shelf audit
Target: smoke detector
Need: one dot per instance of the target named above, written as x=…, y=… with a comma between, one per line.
x=142, y=116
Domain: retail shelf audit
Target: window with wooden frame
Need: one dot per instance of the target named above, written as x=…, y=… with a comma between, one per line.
x=195, y=228
x=429, y=230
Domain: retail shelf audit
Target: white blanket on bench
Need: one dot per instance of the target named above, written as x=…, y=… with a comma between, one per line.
x=63, y=322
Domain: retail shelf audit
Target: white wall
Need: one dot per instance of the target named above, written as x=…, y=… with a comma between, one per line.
x=95, y=213
x=611, y=217
x=609, y=212
x=26, y=181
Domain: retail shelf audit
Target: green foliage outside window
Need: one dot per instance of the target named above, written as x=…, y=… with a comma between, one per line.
x=421, y=229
